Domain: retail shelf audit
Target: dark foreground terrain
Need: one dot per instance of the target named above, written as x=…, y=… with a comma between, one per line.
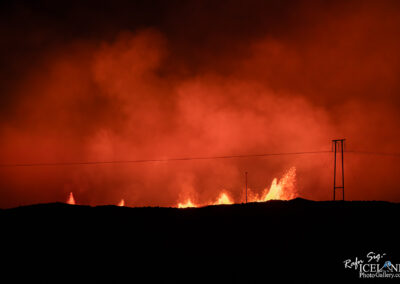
x=296, y=239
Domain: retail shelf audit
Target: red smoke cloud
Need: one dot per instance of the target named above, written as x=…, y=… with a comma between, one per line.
x=132, y=97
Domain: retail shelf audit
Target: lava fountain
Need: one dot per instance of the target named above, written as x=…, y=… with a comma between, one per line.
x=223, y=199
x=187, y=204
x=282, y=189
x=71, y=199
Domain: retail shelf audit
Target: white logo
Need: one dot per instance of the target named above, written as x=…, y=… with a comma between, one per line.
x=374, y=266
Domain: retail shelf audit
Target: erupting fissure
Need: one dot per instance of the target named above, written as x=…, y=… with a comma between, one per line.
x=282, y=189
x=71, y=199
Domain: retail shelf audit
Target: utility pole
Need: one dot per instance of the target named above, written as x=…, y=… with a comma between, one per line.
x=338, y=145
x=246, y=186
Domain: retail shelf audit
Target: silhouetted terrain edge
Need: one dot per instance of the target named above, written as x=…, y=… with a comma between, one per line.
x=298, y=239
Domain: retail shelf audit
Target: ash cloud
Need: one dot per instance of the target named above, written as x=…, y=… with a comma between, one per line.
x=131, y=81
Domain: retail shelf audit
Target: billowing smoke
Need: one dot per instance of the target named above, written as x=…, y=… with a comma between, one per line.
x=194, y=83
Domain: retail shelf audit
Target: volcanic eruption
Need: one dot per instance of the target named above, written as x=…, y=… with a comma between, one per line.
x=71, y=199
x=282, y=189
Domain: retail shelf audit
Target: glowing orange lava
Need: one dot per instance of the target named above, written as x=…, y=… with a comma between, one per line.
x=187, y=204
x=121, y=203
x=71, y=199
x=223, y=199
x=282, y=189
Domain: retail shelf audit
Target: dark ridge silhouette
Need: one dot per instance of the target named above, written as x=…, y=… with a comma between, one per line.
x=298, y=239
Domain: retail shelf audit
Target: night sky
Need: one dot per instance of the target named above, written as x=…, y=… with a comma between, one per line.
x=126, y=80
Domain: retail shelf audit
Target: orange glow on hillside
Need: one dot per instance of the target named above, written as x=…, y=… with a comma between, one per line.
x=282, y=189
x=223, y=199
x=71, y=199
x=187, y=204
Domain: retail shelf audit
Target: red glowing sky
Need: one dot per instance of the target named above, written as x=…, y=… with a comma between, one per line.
x=124, y=80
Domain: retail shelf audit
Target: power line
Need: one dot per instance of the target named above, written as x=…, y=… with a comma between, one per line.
x=82, y=163
x=374, y=153
x=160, y=160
